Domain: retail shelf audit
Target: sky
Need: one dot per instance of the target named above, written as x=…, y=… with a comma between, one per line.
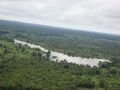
x=92, y=15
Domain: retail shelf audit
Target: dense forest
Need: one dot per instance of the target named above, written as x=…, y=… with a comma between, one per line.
x=23, y=68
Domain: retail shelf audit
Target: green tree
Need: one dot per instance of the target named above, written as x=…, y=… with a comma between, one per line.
x=1, y=45
x=34, y=53
x=48, y=54
x=101, y=83
x=5, y=51
x=86, y=84
x=39, y=54
x=23, y=49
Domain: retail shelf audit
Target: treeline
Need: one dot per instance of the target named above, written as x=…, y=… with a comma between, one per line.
x=23, y=68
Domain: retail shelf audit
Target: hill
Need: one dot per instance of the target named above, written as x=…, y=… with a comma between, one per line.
x=23, y=68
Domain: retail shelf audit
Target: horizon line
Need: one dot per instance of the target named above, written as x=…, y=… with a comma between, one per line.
x=66, y=28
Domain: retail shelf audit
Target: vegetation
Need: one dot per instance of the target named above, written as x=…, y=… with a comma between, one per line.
x=76, y=43
x=23, y=68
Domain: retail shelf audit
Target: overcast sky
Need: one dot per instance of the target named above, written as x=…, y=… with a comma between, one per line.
x=94, y=15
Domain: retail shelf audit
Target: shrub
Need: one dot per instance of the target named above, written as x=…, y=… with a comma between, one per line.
x=86, y=84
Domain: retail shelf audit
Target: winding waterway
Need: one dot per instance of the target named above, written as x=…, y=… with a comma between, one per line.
x=56, y=56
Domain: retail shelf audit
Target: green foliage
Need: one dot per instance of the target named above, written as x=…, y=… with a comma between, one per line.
x=5, y=51
x=39, y=54
x=34, y=53
x=48, y=54
x=102, y=83
x=71, y=42
x=86, y=84
x=23, y=68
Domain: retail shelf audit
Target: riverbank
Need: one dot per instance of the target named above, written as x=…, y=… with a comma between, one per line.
x=56, y=56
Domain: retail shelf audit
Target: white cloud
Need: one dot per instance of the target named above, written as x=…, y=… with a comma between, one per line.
x=94, y=15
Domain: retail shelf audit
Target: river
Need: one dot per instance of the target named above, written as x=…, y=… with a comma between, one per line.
x=56, y=56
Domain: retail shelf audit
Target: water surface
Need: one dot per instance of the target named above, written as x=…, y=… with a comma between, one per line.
x=56, y=56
